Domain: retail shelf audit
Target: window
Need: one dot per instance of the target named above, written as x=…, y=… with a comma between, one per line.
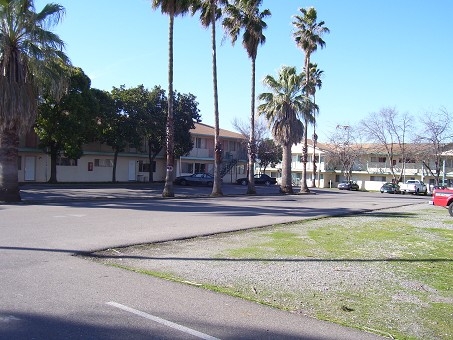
x=232, y=145
x=103, y=162
x=145, y=167
x=200, y=167
x=19, y=163
x=64, y=161
x=378, y=178
x=200, y=143
x=187, y=168
x=378, y=159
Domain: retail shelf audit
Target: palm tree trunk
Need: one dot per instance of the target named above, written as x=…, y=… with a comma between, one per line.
x=303, y=184
x=315, y=138
x=313, y=175
x=168, y=188
x=217, y=186
x=9, y=155
x=251, y=190
x=286, y=186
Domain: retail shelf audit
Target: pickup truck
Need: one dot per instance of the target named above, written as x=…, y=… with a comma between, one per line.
x=443, y=198
x=413, y=186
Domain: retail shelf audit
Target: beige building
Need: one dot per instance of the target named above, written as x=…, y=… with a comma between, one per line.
x=96, y=164
x=370, y=170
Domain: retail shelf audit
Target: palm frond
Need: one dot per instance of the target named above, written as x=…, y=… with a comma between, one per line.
x=26, y=46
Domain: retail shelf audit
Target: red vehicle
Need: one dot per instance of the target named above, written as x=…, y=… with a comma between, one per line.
x=443, y=197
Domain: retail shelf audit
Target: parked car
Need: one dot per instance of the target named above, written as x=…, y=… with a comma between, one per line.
x=414, y=186
x=390, y=188
x=443, y=198
x=195, y=179
x=258, y=179
x=348, y=185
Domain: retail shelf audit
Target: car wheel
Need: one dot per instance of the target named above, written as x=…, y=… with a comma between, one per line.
x=267, y=183
x=450, y=209
x=244, y=182
x=183, y=182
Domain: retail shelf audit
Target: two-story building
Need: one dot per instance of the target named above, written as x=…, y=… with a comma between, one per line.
x=96, y=163
x=370, y=169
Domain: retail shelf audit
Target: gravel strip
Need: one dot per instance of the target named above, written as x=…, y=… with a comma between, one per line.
x=330, y=288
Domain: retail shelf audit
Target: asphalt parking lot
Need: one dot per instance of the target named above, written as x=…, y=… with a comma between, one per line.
x=48, y=293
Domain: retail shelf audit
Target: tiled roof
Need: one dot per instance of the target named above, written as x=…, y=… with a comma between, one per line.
x=207, y=130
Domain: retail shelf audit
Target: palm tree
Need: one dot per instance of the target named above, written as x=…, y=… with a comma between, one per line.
x=315, y=82
x=210, y=12
x=29, y=59
x=308, y=36
x=245, y=14
x=283, y=108
x=172, y=8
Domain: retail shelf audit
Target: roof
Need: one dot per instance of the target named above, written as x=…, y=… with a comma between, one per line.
x=207, y=130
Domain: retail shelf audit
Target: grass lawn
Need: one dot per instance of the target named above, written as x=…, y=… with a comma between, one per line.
x=388, y=272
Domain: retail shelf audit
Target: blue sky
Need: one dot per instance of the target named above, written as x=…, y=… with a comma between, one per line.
x=378, y=54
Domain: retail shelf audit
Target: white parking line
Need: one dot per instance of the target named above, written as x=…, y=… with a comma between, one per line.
x=162, y=321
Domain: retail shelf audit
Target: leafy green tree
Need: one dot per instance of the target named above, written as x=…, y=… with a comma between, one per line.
x=245, y=15
x=186, y=113
x=115, y=128
x=268, y=154
x=29, y=56
x=64, y=125
x=283, y=108
x=308, y=36
x=171, y=8
x=146, y=118
x=210, y=12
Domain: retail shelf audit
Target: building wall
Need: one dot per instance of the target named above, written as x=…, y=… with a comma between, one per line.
x=96, y=165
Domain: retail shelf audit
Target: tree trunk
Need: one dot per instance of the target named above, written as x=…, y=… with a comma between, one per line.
x=303, y=183
x=286, y=186
x=115, y=160
x=217, y=185
x=168, y=188
x=313, y=174
x=9, y=183
x=53, y=165
x=251, y=190
x=151, y=157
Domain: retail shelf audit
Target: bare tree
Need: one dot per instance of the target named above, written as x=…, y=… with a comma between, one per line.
x=389, y=129
x=432, y=140
x=261, y=131
x=344, y=149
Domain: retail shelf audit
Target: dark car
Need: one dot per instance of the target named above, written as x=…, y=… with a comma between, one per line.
x=258, y=179
x=195, y=179
x=348, y=185
x=390, y=188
